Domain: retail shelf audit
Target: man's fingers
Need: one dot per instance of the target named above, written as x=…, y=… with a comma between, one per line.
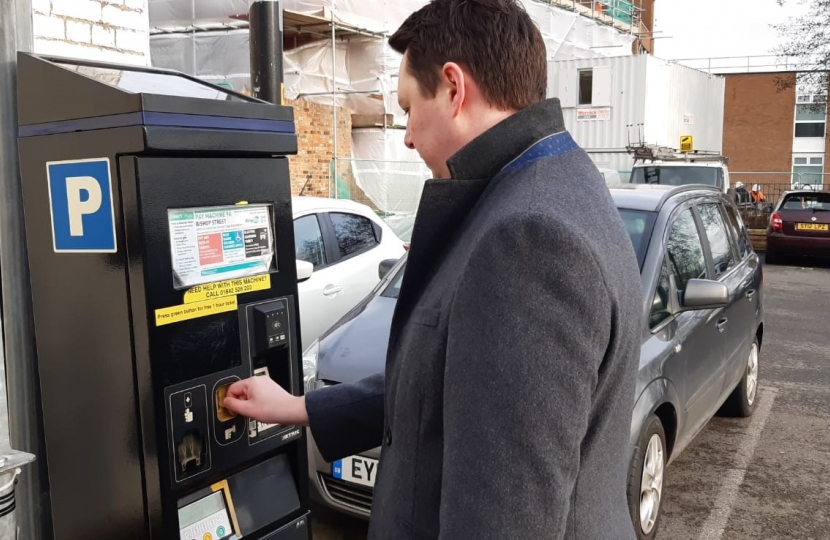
x=245, y=408
x=238, y=390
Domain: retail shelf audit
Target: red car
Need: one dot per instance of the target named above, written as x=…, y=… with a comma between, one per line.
x=799, y=226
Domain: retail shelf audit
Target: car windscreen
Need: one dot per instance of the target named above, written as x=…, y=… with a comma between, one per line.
x=678, y=176
x=393, y=286
x=638, y=224
x=819, y=202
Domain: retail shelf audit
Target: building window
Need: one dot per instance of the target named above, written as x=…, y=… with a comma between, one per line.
x=586, y=86
x=810, y=120
x=808, y=169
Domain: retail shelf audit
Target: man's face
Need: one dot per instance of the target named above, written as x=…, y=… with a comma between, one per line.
x=431, y=126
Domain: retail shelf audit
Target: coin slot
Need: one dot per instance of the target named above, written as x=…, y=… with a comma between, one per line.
x=223, y=414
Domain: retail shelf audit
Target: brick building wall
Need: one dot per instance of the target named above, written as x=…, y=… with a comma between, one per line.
x=758, y=122
x=310, y=168
x=105, y=30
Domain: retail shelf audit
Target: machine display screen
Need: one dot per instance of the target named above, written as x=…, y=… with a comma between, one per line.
x=219, y=243
x=205, y=518
x=149, y=82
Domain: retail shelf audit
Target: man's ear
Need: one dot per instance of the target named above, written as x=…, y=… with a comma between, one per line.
x=453, y=76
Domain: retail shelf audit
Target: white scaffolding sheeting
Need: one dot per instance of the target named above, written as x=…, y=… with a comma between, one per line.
x=366, y=68
x=218, y=56
x=391, y=175
x=378, y=16
x=167, y=14
x=365, y=79
x=358, y=72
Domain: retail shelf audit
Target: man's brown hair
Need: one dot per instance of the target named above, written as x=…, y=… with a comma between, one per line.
x=495, y=40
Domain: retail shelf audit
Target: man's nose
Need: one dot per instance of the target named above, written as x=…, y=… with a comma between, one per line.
x=407, y=140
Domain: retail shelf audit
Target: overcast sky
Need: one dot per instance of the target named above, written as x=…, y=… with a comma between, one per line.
x=739, y=27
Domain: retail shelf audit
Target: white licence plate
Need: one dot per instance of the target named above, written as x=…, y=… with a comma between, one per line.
x=356, y=469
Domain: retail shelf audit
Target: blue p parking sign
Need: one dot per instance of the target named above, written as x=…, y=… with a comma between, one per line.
x=80, y=197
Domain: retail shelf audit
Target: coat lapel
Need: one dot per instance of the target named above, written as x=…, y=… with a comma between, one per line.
x=444, y=206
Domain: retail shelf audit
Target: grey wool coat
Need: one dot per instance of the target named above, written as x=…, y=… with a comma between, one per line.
x=505, y=407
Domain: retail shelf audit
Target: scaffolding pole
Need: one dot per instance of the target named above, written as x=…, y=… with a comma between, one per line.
x=333, y=182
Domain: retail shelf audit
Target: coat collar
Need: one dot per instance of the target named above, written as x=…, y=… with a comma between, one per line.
x=487, y=154
x=445, y=204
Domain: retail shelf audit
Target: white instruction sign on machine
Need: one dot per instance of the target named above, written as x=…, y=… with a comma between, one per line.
x=228, y=242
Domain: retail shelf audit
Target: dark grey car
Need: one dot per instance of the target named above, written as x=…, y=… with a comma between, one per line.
x=700, y=349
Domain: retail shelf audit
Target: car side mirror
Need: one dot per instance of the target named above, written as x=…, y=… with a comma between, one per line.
x=704, y=294
x=304, y=270
x=385, y=266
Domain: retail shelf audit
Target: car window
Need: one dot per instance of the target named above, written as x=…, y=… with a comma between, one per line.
x=678, y=175
x=739, y=230
x=660, y=303
x=308, y=241
x=354, y=233
x=715, y=229
x=807, y=201
x=638, y=225
x=685, y=250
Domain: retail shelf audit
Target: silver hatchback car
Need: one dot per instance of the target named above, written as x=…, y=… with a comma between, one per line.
x=700, y=351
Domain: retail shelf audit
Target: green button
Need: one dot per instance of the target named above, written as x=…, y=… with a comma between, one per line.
x=220, y=532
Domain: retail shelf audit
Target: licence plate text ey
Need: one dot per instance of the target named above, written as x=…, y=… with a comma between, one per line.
x=811, y=227
x=356, y=469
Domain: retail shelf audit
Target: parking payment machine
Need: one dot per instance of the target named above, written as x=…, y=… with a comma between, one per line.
x=161, y=252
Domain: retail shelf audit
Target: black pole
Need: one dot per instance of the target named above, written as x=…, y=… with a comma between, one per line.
x=265, y=19
x=17, y=342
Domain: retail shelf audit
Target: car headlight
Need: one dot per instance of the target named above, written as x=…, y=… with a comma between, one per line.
x=310, y=367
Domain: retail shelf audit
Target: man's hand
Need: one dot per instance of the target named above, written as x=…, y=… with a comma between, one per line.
x=264, y=400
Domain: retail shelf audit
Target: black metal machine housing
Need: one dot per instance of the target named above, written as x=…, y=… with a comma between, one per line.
x=160, y=243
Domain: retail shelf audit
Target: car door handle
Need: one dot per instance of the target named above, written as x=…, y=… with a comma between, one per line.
x=722, y=324
x=750, y=294
x=332, y=290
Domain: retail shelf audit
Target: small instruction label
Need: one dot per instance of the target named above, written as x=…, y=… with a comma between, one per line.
x=194, y=310
x=231, y=287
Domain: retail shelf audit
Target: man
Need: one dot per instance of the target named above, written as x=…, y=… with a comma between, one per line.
x=505, y=409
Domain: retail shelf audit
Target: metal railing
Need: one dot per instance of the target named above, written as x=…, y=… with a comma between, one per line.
x=753, y=64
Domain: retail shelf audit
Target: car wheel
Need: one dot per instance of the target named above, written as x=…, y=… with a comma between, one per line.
x=771, y=257
x=743, y=399
x=646, y=479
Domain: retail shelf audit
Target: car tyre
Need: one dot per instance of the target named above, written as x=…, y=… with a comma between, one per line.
x=771, y=257
x=741, y=403
x=646, y=479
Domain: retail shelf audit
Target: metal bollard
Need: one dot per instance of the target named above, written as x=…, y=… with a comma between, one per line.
x=11, y=462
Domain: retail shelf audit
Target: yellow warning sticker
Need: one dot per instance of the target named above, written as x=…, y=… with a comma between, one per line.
x=231, y=287
x=194, y=310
